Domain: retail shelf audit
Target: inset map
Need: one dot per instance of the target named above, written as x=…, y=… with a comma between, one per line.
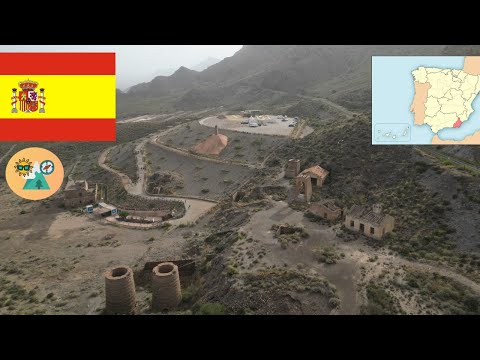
x=386, y=132
x=425, y=100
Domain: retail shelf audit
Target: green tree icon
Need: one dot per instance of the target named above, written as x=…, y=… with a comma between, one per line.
x=39, y=184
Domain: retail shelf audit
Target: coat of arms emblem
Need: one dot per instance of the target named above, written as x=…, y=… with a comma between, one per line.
x=28, y=97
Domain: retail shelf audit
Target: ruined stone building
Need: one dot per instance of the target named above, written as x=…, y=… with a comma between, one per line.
x=292, y=169
x=303, y=183
x=317, y=175
x=327, y=209
x=77, y=194
x=314, y=176
x=373, y=223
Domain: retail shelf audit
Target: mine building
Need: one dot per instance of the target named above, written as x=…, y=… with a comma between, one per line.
x=317, y=174
x=292, y=169
x=105, y=210
x=314, y=176
x=327, y=209
x=372, y=223
x=248, y=113
x=78, y=194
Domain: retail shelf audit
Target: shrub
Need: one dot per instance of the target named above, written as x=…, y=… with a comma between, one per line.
x=334, y=302
x=380, y=302
x=273, y=161
x=212, y=309
x=188, y=294
x=231, y=270
x=327, y=255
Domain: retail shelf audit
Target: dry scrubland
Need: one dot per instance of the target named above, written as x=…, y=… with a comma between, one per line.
x=200, y=177
x=249, y=148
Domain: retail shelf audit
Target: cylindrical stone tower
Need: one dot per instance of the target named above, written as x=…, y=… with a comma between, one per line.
x=120, y=290
x=166, y=291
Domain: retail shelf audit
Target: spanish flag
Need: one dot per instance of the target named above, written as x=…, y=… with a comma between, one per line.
x=57, y=96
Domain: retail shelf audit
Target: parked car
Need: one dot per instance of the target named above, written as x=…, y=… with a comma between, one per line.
x=252, y=124
x=291, y=125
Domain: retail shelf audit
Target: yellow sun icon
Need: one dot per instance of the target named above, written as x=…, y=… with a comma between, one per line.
x=23, y=167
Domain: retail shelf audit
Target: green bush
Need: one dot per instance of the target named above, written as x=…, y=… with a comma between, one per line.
x=231, y=270
x=334, y=302
x=188, y=294
x=380, y=302
x=327, y=255
x=212, y=309
x=273, y=161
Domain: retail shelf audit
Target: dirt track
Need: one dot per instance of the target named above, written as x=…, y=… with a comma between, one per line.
x=345, y=275
x=194, y=207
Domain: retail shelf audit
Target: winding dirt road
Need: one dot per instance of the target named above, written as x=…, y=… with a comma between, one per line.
x=195, y=208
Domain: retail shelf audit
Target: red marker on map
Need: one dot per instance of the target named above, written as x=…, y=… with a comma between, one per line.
x=457, y=124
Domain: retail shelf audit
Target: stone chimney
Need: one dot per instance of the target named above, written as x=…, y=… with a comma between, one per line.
x=293, y=168
x=377, y=208
x=120, y=291
x=216, y=129
x=166, y=289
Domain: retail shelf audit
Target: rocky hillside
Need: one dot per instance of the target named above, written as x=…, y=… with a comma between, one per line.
x=263, y=75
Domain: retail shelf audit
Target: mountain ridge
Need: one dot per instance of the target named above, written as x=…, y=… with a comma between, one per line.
x=258, y=74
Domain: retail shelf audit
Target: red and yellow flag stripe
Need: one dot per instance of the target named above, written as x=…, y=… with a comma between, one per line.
x=79, y=96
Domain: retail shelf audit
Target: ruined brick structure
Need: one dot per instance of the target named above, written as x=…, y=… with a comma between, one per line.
x=78, y=194
x=372, y=223
x=303, y=183
x=317, y=175
x=166, y=290
x=292, y=169
x=327, y=209
x=120, y=291
x=314, y=176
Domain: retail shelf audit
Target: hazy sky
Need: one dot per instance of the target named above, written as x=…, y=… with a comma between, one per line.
x=139, y=63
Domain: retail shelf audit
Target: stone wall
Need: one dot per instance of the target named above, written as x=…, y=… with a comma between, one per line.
x=324, y=212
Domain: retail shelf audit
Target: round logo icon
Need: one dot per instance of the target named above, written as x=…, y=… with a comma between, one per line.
x=34, y=173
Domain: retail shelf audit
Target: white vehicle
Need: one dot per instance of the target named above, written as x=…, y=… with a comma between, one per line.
x=253, y=124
